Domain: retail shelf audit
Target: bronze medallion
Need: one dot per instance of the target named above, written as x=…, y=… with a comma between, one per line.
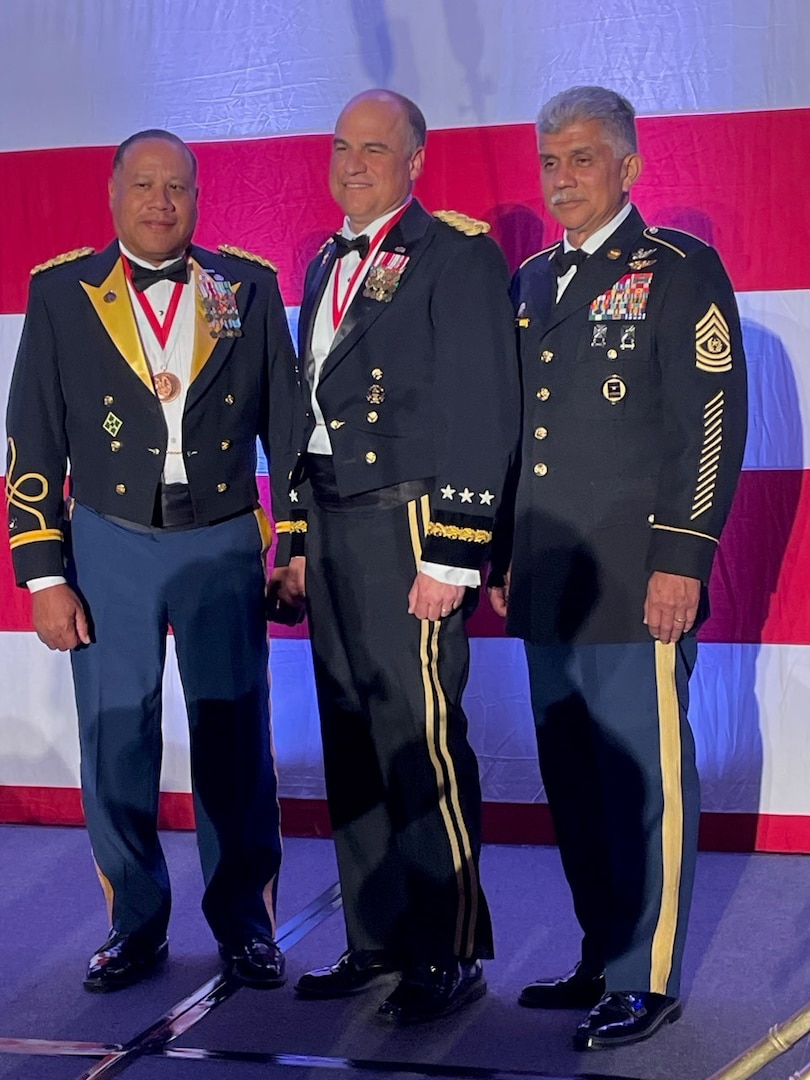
x=167, y=386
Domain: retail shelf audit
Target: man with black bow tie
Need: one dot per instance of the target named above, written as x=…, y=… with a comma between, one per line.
x=152, y=368
x=408, y=429
x=633, y=434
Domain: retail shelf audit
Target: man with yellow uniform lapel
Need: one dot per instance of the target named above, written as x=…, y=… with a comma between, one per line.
x=152, y=367
x=409, y=428
x=633, y=434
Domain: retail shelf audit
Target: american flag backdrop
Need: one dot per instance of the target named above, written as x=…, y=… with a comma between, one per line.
x=723, y=93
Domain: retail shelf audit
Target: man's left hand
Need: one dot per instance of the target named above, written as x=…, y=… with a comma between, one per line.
x=671, y=605
x=432, y=599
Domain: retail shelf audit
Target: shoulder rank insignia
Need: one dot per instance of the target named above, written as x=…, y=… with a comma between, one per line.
x=469, y=226
x=59, y=260
x=240, y=253
x=713, y=342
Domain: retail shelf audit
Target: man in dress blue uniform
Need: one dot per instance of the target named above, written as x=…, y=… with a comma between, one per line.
x=408, y=429
x=152, y=367
x=633, y=433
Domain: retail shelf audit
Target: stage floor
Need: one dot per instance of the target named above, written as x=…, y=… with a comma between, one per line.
x=747, y=967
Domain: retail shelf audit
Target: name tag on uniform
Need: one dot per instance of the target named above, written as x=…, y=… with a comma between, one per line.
x=626, y=300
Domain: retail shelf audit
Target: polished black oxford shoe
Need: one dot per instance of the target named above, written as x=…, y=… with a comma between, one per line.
x=579, y=989
x=257, y=962
x=428, y=992
x=123, y=960
x=624, y=1017
x=354, y=971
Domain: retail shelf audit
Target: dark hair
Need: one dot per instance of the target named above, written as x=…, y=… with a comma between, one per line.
x=152, y=133
x=614, y=112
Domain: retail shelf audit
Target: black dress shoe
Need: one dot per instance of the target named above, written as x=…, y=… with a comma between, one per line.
x=579, y=989
x=122, y=960
x=428, y=992
x=258, y=962
x=624, y=1017
x=354, y=971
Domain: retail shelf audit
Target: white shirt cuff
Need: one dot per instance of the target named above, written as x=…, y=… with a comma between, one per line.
x=38, y=583
x=451, y=575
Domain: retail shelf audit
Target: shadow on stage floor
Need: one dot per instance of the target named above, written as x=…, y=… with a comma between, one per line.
x=747, y=967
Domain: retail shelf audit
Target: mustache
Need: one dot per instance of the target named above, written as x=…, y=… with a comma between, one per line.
x=558, y=199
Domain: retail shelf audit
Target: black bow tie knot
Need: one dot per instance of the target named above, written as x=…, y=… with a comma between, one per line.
x=562, y=261
x=343, y=245
x=144, y=276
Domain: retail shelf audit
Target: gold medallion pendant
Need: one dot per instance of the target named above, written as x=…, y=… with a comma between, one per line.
x=167, y=386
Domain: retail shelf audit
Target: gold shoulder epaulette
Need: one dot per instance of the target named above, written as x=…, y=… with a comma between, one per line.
x=58, y=260
x=468, y=225
x=240, y=253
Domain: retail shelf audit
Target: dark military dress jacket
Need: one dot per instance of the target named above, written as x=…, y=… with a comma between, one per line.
x=82, y=394
x=634, y=426
x=421, y=382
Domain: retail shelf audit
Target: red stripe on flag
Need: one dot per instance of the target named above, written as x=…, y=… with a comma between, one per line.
x=503, y=823
x=760, y=590
x=270, y=195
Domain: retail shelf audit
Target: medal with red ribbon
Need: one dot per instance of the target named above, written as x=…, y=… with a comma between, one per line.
x=339, y=309
x=167, y=385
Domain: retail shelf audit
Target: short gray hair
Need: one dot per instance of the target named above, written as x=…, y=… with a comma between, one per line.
x=582, y=103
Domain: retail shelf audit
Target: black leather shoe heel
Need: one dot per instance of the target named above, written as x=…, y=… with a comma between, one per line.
x=356, y=970
x=625, y=1017
x=577, y=990
x=123, y=960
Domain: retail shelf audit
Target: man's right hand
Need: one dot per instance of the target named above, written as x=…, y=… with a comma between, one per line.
x=59, y=618
x=286, y=592
x=499, y=596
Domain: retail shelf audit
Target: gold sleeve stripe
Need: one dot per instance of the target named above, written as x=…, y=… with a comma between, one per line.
x=453, y=532
x=291, y=527
x=15, y=496
x=709, y=456
x=35, y=537
x=686, y=532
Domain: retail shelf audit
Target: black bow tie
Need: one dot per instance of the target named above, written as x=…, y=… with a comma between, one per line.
x=344, y=246
x=562, y=261
x=144, y=276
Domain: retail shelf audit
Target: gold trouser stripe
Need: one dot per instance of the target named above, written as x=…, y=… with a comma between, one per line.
x=265, y=528
x=669, y=735
x=109, y=893
x=436, y=734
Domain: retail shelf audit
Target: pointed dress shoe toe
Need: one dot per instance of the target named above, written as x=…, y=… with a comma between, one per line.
x=429, y=992
x=579, y=989
x=256, y=962
x=624, y=1017
x=123, y=960
x=354, y=971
